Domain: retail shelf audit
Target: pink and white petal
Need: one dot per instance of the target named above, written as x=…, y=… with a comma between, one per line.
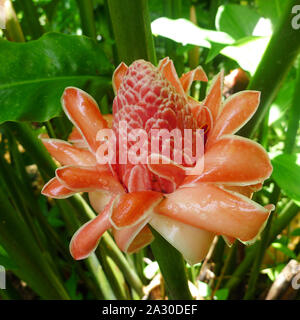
x=89, y=179
x=54, y=189
x=85, y=241
x=214, y=209
x=132, y=208
x=169, y=171
x=84, y=113
x=236, y=112
x=137, y=179
x=187, y=78
x=99, y=199
x=168, y=70
x=213, y=99
x=133, y=239
x=68, y=154
x=234, y=160
x=118, y=76
x=192, y=242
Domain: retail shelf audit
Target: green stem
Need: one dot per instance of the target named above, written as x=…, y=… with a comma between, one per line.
x=294, y=117
x=86, y=11
x=117, y=280
x=280, y=54
x=31, y=18
x=135, y=41
x=32, y=264
x=111, y=248
x=172, y=267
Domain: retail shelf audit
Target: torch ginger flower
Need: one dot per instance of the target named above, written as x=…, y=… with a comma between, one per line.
x=187, y=208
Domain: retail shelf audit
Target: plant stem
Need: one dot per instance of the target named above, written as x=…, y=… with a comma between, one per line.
x=281, y=52
x=172, y=267
x=135, y=41
x=31, y=18
x=294, y=117
x=86, y=12
x=111, y=248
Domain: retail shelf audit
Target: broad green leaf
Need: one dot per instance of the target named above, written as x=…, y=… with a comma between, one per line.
x=286, y=173
x=35, y=73
x=236, y=20
x=185, y=32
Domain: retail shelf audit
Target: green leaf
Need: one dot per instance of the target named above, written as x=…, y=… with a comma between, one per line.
x=5, y=260
x=296, y=232
x=242, y=52
x=282, y=102
x=185, y=32
x=35, y=73
x=272, y=273
x=286, y=173
x=236, y=20
x=71, y=286
x=221, y=294
x=284, y=249
x=271, y=9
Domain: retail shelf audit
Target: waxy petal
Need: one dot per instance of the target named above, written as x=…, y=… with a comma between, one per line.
x=137, y=179
x=86, y=239
x=67, y=154
x=213, y=99
x=192, y=242
x=169, y=171
x=187, y=78
x=99, y=199
x=216, y=210
x=235, y=160
x=89, y=179
x=134, y=207
x=118, y=76
x=132, y=239
x=54, y=189
x=166, y=66
x=236, y=112
x=84, y=113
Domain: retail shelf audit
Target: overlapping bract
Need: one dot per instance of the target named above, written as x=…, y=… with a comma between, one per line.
x=187, y=209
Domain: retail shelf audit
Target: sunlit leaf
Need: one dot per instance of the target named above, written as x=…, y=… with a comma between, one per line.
x=236, y=20
x=185, y=32
x=243, y=52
